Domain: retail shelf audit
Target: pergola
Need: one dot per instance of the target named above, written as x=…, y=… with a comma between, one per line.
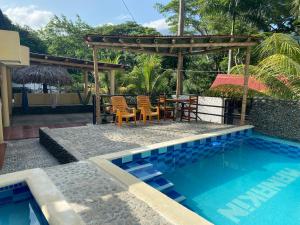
x=173, y=46
x=85, y=65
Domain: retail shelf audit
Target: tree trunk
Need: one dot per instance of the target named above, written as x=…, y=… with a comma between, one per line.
x=230, y=50
x=245, y=91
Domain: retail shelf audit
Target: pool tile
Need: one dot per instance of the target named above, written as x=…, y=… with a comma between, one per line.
x=126, y=159
x=162, y=150
x=146, y=154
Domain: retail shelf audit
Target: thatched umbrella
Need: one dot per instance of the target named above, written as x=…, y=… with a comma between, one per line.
x=40, y=74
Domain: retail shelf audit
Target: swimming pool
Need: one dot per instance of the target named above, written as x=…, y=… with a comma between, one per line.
x=18, y=207
x=236, y=178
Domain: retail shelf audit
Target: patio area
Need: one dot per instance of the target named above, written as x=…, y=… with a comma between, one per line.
x=92, y=193
x=88, y=141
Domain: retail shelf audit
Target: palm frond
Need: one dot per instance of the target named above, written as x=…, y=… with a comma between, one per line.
x=278, y=64
x=279, y=43
x=240, y=69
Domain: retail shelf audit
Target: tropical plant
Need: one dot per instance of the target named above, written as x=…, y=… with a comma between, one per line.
x=296, y=9
x=278, y=65
x=147, y=77
x=216, y=16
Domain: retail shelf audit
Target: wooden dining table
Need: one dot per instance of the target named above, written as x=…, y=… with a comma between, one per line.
x=177, y=101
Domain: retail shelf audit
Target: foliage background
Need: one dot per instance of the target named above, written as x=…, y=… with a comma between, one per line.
x=275, y=21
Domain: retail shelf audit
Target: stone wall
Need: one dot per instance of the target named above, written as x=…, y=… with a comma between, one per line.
x=276, y=117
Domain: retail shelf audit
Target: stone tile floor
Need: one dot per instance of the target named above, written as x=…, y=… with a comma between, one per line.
x=98, y=198
x=102, y=139
x=26, y=154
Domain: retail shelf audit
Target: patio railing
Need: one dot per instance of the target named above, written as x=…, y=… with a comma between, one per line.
x=231, y=109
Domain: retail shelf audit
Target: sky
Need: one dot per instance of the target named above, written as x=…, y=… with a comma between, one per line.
x=37, y=13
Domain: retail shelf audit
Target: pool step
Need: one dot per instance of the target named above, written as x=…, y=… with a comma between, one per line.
x=136, y=165
x=160, y=183
x=175, y=196
x=145, y=174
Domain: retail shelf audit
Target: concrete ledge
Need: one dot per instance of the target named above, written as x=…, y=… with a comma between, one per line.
x=169, y=209
x=52, y=203
x=58, y=147
x=166, y=207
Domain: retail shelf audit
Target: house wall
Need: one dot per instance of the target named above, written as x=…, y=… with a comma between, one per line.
x=41, y=99
x=210, y=109
x=276, y=117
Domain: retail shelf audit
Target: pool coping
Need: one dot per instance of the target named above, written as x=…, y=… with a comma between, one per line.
x=166, y=207
x=50, y=200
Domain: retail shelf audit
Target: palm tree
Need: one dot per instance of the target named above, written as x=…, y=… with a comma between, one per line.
x=250, y=11
x=278, y=66
x=296, y=13
x=148, y=77
x=296, y=9
x=105, y=78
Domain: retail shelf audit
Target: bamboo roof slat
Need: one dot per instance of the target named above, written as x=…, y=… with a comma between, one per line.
x=171, y=45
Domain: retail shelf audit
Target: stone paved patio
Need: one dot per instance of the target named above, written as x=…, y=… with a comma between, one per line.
x=26, y=154
x=92, y=140
x=95, y=195
x=98, y=198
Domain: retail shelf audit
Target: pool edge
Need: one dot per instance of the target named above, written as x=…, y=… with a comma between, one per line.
x=52, y=203
x=168, y=208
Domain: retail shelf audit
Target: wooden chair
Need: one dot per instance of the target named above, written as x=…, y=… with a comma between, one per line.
x=144, y=104
x=165, y=108
x=189, y=110
x=122, y=110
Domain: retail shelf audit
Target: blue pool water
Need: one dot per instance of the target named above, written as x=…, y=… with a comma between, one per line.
x=242, y=186
x=18, y=207
x=240, y=178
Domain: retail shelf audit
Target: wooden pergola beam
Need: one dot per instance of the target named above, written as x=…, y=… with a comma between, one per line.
x=139, y=50
x=70, y=64
x=167, y=45
x=206, y=51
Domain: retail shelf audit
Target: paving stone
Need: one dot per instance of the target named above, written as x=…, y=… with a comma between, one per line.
x=92, y=140
x=100, y=199
x=26, y=154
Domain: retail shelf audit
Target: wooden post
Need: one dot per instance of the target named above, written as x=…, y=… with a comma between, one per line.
x=179, y=86
x=4, y=96
x=86, y=81
x=181, y=16
x=9, y=87
x=112, y=81
x=245, y=92
x=97, y=89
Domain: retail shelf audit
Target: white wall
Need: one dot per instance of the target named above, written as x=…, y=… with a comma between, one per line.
x=212, y=110
x=214, y=101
